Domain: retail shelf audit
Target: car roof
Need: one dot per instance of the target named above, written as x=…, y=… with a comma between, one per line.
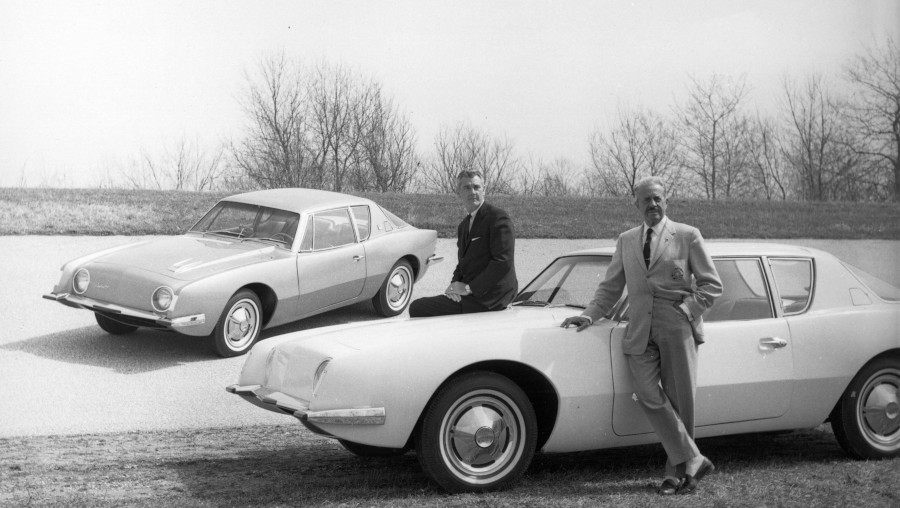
x=297, y=199
x=731, y=248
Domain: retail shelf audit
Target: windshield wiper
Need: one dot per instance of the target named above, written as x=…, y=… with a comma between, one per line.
x=532, y=303
x=573, y=305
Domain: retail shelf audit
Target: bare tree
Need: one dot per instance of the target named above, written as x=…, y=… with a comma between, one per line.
x=710, y=133
x=386, y=157
x=875, y=110
x=767, y=166
x=817, y=143
x=464, y=148
x=538, y=178
x=275, y=152
x=184, y=166
x=641, y=144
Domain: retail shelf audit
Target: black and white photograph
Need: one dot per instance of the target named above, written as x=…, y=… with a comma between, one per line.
x=475, y=254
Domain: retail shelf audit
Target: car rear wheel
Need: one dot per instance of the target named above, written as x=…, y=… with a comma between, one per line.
x=362, y=450
x=112, y=326
x=479, y=434
x=395, y=292
x=239, y=326
x=866, y=421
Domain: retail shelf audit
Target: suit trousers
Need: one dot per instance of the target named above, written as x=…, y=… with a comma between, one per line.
x=440, y=305
x=665, y=382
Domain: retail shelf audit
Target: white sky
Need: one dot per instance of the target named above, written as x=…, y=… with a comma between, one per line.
x=86, y=85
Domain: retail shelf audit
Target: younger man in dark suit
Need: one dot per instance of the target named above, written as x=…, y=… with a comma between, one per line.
x=485, y=274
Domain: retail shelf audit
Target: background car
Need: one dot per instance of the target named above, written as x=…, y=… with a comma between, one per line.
x=255, y=260
x=798, y=338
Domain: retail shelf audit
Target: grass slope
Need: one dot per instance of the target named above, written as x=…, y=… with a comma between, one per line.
x=25, y=211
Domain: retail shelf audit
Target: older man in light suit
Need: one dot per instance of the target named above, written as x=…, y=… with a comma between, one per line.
x=671, y=281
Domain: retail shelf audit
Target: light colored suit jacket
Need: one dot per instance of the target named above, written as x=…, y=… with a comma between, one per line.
x=681, y=271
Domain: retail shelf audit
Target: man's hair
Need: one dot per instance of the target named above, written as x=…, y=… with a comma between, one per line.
x=469, y=173
x=648, y=181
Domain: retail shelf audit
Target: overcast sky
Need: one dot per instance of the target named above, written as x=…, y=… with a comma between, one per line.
x=86, y=85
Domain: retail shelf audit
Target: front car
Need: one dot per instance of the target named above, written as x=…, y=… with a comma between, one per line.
x=783, y=347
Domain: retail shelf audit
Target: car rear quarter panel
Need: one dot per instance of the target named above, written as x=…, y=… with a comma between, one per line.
x=834, y=339
x=384, y=250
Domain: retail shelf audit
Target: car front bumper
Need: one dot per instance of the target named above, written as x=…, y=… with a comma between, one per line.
x=278, y=402
x=125, y=314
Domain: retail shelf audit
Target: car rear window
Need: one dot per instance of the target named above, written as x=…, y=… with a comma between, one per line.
x=885, y=290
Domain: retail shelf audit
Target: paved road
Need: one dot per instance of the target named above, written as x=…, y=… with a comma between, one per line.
x=60, y=374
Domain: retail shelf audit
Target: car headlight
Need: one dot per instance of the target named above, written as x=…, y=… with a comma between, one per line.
x=162, y=298
x=81, y=281
x=320, y=372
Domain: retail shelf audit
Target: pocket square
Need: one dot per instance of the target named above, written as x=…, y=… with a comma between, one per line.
x=476, y=238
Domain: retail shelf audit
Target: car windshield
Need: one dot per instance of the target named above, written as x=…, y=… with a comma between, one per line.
x=568, y=281
x=250, y=222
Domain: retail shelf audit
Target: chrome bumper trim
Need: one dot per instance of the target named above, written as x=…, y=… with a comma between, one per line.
x=362, y=416
x=434, y=259
x=280, y=402
x=90, y=304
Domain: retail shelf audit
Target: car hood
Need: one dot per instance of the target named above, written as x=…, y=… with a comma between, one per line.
x=188, y=257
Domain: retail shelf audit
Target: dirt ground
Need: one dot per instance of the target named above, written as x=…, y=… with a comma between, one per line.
x=287, y=465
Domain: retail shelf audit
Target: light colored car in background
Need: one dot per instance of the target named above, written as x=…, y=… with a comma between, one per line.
x=798, y=338
x=255, y=260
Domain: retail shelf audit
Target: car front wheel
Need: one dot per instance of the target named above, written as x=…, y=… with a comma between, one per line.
x=866, y=421
x=112, y=326
x=239, y=326
x=479, y=434
x=395, y=292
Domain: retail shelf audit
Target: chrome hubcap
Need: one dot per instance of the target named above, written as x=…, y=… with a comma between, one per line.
x=398, y=288
x=880, y=409
x=242, y=324
x=481, y=436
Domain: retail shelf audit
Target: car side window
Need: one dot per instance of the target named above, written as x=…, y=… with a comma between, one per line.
x=331, y=229
x=362, y=218
x=744, y=296
x=794, y=280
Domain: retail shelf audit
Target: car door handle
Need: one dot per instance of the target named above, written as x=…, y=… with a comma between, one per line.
x=770, y=343
x=358, y=258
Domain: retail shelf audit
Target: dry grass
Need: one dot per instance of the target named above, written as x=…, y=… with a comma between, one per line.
x=288, y=466
x=141, y=212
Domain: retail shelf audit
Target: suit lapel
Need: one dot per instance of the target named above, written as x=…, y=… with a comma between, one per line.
x=637, y=245
x=665, y=241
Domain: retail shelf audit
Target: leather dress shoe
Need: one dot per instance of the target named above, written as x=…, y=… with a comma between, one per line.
x=690, y=483
x=669, y=487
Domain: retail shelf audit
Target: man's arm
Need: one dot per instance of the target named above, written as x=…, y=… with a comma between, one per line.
x=608, y=293
x=709, y=285
x=502, y=248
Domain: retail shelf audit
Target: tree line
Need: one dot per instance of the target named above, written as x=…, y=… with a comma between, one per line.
x=328, y=127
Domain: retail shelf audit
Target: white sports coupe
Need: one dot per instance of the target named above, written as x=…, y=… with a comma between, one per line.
x=798, y=338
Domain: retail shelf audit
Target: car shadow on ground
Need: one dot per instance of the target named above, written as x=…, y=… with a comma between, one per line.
x=147, y=350
x=320, y=469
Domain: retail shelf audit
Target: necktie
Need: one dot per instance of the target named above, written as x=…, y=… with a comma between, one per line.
x=647, y=248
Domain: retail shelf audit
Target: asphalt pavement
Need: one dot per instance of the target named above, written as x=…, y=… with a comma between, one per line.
x=61, y=374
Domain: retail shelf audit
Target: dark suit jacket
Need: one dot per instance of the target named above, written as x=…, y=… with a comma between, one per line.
x=485, y=257
x=681, y=271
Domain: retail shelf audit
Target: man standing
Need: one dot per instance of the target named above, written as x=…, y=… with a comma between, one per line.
x=485, y=274
x=671, y=281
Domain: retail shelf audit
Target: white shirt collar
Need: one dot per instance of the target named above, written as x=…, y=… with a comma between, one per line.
x=661, y=225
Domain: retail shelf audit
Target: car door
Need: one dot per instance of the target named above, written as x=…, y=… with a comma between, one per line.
x=745, y=366
x=331, y=265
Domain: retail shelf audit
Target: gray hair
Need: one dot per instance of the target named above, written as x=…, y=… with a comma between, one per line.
x=469, y=173
x=649, y=181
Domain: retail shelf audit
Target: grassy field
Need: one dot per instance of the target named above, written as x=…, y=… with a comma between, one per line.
x=25, y=211
x=286, y=465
